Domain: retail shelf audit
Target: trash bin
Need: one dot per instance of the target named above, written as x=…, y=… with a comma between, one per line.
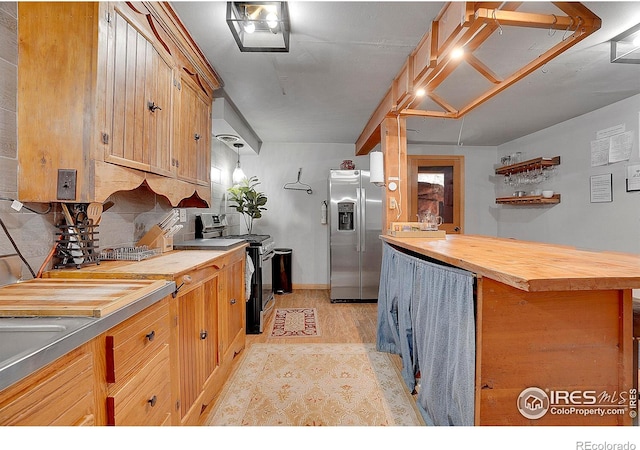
x=282, y=270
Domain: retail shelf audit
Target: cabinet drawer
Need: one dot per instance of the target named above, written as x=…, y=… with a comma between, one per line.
x=136, y=340
x=146, y=398
x=61, y=394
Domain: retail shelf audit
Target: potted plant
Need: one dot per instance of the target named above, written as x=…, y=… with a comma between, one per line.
x=248, y=201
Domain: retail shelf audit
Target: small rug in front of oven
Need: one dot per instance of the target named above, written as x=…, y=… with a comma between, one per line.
x=295, y=322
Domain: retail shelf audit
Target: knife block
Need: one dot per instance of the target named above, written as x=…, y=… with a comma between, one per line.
x=155, y=238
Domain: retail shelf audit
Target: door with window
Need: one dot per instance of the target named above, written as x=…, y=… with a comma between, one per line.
x=436, y=185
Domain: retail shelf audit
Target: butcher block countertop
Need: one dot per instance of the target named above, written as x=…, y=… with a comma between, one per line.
x=70, y=297
x=45, y=319
x=171, y=264
x=530, y=266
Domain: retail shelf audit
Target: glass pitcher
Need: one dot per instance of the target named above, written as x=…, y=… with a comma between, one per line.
x=429, y=221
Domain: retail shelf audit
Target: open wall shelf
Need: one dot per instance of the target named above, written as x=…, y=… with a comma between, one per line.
x=531, y=164
x=529, y=200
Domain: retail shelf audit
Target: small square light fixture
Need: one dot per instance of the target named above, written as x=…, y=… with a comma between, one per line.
x=625, y=47
x=259, y=26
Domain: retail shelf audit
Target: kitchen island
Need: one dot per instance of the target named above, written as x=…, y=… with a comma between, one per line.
x=553, y=329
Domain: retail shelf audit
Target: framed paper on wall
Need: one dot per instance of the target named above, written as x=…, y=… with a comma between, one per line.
x=633, y=178
x=601, y=188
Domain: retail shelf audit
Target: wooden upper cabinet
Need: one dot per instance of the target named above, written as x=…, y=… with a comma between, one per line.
x=139, y=88
x=98, y=88
x=193, y=147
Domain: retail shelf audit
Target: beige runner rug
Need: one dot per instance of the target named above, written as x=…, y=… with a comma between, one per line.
x=295, y=322
x=315, y=385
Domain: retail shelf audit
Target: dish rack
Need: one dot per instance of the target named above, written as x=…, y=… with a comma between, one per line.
x=129, y=253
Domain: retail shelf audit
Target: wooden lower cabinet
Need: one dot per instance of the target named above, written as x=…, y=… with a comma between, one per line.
x=62, y=394
x=197, y=330
x=210, y=313
x=164, y=366
x=138, y=371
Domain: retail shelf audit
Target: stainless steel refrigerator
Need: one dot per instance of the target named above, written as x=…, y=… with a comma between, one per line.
x=355, y=225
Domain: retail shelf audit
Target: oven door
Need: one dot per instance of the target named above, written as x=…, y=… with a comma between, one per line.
x=267, y=282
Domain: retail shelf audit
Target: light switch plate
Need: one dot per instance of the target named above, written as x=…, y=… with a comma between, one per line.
x=67, y=184
x=183, y=215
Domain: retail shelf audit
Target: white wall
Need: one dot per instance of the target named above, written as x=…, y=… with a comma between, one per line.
x=479, y=202
x=293, y=217
x=575, y=221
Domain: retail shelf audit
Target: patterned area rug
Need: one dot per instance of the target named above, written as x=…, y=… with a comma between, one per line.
x=315, y=385
x=295, y=322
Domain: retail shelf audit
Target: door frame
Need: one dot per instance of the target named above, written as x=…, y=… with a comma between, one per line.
x=455, y=161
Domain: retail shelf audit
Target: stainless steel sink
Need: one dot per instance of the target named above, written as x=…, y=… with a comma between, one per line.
x=20, y=335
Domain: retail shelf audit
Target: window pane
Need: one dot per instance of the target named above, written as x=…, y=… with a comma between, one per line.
x=435, y=191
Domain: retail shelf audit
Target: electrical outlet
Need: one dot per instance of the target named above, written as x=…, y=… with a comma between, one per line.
x=183, y=215
x=392, y=203
x=67, y=184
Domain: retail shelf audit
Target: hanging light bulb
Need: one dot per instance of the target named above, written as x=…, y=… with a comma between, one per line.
x=272, y=20
x=238, y=174
x=249, y=26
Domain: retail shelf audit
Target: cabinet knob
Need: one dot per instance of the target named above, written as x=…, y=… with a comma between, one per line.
x=203, y=335
x=196, y=137
x=233, y=301
x=151, y=336
x=152, y=401
x=153, y=107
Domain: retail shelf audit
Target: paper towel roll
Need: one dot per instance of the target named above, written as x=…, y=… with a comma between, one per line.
x=376, y=167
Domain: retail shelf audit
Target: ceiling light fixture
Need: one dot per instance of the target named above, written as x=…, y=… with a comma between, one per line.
x=420, y=92
x=625, y=47
x=238, y=174
x=457, y=53
x=259, y=26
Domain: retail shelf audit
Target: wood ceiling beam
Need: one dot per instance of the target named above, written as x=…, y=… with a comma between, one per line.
x=442, y=102
x=468, y=24
x=424, y=113
x=483, y=69
x=533, y=20
x=524, y=71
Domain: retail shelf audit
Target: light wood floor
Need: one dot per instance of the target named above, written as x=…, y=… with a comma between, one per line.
x=338, y=322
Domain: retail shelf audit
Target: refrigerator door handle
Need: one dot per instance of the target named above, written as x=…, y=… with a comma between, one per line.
x=363, y=219
x=357, y=218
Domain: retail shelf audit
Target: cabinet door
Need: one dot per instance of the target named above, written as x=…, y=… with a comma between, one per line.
x=159, y=113
x=232, y=304
x=61, y=394
x=212, y=359
x=191, y=350
x=140, y=88
x=193, y=149
x=198, y=328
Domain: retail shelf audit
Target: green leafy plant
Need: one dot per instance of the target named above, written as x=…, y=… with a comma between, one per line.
x=248, y=200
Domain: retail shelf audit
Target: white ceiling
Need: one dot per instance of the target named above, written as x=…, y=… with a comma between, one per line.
x=344, y=55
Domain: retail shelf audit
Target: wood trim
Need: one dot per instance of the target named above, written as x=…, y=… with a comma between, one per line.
x=394, y=149
x=455, y=161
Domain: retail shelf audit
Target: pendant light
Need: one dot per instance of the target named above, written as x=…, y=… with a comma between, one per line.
x=238, y=174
